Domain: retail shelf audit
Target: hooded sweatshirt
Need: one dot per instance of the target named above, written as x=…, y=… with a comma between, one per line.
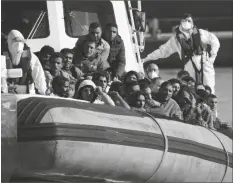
x=18, y=54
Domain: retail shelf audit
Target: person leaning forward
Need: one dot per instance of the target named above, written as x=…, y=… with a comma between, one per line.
x=191, y=45
x=95, y=33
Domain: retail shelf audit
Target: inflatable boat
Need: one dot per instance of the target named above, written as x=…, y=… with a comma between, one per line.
x=63, y=140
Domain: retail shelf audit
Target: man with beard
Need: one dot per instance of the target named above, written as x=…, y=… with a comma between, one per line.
x=68, y=66
x=20, y=56
x=116, y=57
x=101, y=46
x=191, y=45
x=168, y=107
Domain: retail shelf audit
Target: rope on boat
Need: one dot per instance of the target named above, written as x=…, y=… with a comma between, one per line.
x=165, y=143
x=226, y=154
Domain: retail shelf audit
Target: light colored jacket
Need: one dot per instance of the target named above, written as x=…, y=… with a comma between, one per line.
x=173, y=46
x=38, y=76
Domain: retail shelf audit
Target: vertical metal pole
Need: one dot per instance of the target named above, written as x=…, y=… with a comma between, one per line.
x=134, y=32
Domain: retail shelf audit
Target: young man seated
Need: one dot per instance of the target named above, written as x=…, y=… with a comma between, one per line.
x=63, y=85
x=168, y=106
x=90, y=61
x=94, y=34
x=221, y=126
x=56, y=65
x=68, y=66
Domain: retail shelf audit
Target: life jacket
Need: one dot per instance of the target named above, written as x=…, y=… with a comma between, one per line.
x=190, y=47
x=25, y=65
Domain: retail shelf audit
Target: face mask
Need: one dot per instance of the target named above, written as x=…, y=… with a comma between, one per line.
x=152, y=75
x=16, y=50
x=17, y=47
x=186, y=25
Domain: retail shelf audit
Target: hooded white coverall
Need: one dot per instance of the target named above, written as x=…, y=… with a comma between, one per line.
x=173, y=46
x=37, y=70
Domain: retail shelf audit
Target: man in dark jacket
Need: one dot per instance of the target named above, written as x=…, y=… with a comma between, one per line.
x=116, y=57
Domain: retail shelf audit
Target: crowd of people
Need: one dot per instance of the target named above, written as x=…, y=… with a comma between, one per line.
x=94, y=71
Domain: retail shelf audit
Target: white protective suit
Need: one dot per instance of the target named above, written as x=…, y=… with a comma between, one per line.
x=173, y=46
x=16, y=51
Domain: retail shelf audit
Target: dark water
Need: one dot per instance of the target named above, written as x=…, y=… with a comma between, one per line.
x=223, y=89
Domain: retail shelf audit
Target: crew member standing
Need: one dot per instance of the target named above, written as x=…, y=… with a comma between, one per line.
x=191, y=45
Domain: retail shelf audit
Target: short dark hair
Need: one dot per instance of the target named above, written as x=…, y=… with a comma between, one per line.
x=118, y=87
x=88, y=40
x=212, y=96
x=111, y=24
x=130, y=84
x=47, y=50
x=56, y=55
x=188, y=78
x=94, y=25
x=208, y=88
x=130, y=73
x=66, y=51
x=97, y=75
x=133, y=98
x=174, y=80
x=154, y=80
x=165, y=83
x=182, y=73
x=186, y=15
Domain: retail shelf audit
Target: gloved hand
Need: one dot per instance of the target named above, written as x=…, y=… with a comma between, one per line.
x=212, y=59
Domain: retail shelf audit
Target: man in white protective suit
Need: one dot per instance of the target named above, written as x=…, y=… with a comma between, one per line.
x=191, y=45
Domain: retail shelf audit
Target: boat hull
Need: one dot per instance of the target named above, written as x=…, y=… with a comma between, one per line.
x=62, y=139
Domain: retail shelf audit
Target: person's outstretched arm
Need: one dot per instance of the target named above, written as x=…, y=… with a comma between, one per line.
x=164, y=51
x=104, y=97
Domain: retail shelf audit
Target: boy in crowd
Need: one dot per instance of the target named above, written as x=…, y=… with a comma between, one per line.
x=68, y=66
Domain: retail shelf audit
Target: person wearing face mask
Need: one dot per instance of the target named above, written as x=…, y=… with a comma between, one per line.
x=20, y=56
x=152, y=71
x=191, y=45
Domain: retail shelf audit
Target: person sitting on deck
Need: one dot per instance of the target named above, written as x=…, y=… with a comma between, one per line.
x=116, y=92
x=63, y=85
x=21, y=56
x=88, y=91
x=44, y=55
x=168, y=106
x=145, y=88
x=155, y=85
x=137, y=101
x=194, y=112
x=68, y=55
x=221, y=126
x=116, y=58
x=130, y=76
x=151, y=71
x=90, y=61
x=176, y=85
x=56, y=64
x=101, y=46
